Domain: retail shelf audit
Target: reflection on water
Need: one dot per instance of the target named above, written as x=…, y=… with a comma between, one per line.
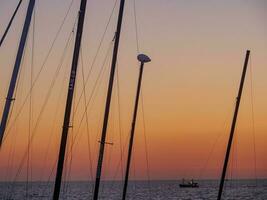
x=234, y=190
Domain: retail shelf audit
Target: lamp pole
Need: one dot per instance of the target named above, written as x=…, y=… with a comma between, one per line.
x=142, y=59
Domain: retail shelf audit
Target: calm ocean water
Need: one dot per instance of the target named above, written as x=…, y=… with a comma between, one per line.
x=156, y=190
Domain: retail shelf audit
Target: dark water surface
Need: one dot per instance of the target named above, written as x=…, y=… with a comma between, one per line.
x=156, y=190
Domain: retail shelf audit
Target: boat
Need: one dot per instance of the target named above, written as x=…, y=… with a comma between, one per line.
x=188, y=184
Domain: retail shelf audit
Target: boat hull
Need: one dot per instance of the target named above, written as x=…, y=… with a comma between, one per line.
x=189, y=185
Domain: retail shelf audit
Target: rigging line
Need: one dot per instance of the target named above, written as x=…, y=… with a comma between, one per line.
x=235, y=161
x=119, y=116
x=134, y=172
x=51, y=86
x=18, y=89
x=146, y=146
x=55, y=162
x=92, y=99
x=124, y=147
x=87, y=121
x=42, y=109
x=109, y=157
x=97, y=53
x=11, y=155
x=10, y=163
x=95, y=88
x=69, y=152
x=13, y=106
x=70, y=147
x=118, y=164
x=42, y=67
x=111, y=135
x=52, y=131
x=18, y=92
x=61, y=91
x=29, y=157
x=253, y=121
x=232, y=167
x=136, y=29
x=10, y=23
x=216, y=141
x=47, y=182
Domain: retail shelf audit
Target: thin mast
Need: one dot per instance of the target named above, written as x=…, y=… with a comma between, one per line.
x=10, y=23
x=108, y=100
x=66, y=123
x=238, y=99
x=143, y=59
x=16, y=69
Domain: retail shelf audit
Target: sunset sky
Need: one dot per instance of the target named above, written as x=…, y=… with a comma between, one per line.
x=189, y=89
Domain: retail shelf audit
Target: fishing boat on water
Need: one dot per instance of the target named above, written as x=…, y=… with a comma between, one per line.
x=188, y=184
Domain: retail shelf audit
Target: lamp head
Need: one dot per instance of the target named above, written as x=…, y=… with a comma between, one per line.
x=143, y=58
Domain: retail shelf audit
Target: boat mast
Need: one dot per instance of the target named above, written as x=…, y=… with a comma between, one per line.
x=143, y=59
x=66, y=123
x=10, y=23
x=108, y=100
x=16, y=69
x=228, y=151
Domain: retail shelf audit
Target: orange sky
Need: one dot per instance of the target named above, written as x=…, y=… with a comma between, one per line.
x=189, y=89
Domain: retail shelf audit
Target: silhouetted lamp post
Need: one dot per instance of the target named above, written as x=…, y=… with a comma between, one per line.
x=142, y=59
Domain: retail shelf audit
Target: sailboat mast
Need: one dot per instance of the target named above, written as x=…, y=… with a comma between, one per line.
x=228, y=151
x=108, y=100
x=143, y=59
x=16, y=69
x=66, y=123
x=10, y=23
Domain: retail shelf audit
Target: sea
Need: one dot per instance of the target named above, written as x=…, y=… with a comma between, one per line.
x=137, y=190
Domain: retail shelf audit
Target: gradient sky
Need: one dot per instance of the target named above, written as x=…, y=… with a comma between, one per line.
x=189, y=88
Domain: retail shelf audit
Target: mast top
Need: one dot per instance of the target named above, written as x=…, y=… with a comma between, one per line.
x=143, y=58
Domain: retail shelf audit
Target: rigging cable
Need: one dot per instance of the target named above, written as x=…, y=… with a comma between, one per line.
x=120, y=124
x=52, y=132
x=146, y=146
x=69, y=153
x=253, y=123
x=18, y=90
x=136, y=28
x=41, y=69
x=43, y=107
x=142, y=104
x=97, y=52
x=95, y=89
x=219, y=135
x=87, y=121
x=29, y=157
x=12, y=152
x=10, y=23
x=69, y=41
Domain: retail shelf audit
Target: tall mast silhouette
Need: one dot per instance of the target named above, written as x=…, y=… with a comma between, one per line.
x=228, y=151
x=13, y=81
x=108, y=100
x=66, y=123
x=143, y=59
